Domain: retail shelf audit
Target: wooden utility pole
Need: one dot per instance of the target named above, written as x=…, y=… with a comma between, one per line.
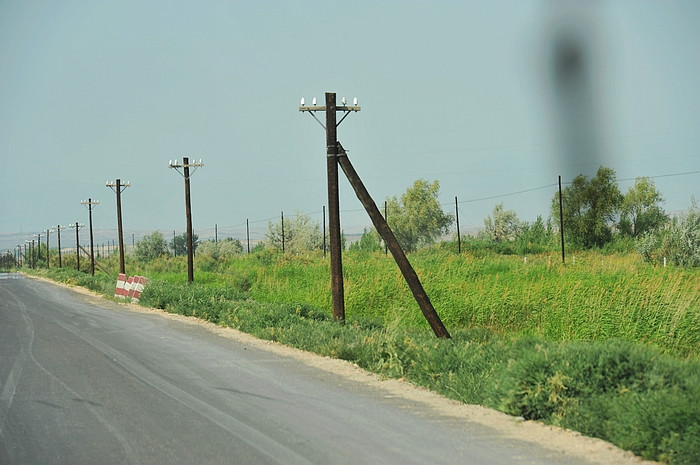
x=459, y=238
x=324, y=231
x=337, y=291
x=337, y=287
x=561, y=223
x=383, y=229
x=118, y=187
x=188, y=211
x=282, y=214
x=77, y=226
x=58, y=233
x=89, y=203
x=48, y=255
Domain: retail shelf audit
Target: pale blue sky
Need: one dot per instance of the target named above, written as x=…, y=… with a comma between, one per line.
x=462, y=92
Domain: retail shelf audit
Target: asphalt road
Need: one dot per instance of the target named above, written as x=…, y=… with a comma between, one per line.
x=85, y=380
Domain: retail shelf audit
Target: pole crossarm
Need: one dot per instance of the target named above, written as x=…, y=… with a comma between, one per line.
x=115, y=185
x=185, y=164
x=347, y=109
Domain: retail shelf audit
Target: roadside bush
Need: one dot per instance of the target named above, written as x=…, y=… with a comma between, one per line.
x=628, y=394
x=679, y=242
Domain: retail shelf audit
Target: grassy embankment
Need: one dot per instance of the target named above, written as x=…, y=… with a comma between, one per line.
x=608, y=345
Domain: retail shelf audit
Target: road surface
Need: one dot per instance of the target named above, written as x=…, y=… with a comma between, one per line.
x=86, y=380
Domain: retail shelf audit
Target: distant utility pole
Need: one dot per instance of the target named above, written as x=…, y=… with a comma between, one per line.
x=58, y=233
x=337, y=290
x=48, y=255
x=77, y=226
x=282, y=232
x=459, y=238
x=324, y=231
x=561, y=223
x=28, y=243
x=186, y=165
x=118, y=187
x=89, y=203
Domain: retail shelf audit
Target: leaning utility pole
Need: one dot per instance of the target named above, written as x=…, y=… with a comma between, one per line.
x=383, y=229
x=89, y=204
x=337, y=291
x=188, y=210
x=118, y=187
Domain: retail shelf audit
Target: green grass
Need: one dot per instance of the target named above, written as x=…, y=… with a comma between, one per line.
x=607, y=345
x=597, y=297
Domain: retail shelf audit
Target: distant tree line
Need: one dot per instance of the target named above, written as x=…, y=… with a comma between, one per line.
x=596, y=214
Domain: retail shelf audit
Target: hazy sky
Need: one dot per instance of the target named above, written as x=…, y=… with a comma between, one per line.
x=489, y=98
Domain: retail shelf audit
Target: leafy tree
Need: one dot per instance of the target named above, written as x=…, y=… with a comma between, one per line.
x=369, y=242
x=226, y=248
x=589, y=207
x=504, y=226
x=301, y=234
x=535, y=237
x=641, y=210
x=178, y=244
x=417, y=219
x=151, y=246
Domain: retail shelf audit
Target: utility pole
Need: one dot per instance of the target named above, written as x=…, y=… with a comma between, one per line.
x=386, y=218
x=48, y=255
x=118, y=187
x=282, y=233
x=561, y=223
x=186, y=165
x=337, y=290
x=77, y=226
x=58, y=233
x=459, y=238
x=38, y=238
x=89, y=203
x=324, y=231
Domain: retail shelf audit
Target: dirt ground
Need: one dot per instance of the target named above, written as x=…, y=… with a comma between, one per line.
x=566, y=442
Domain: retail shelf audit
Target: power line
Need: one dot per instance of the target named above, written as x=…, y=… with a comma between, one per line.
x=505, y=195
